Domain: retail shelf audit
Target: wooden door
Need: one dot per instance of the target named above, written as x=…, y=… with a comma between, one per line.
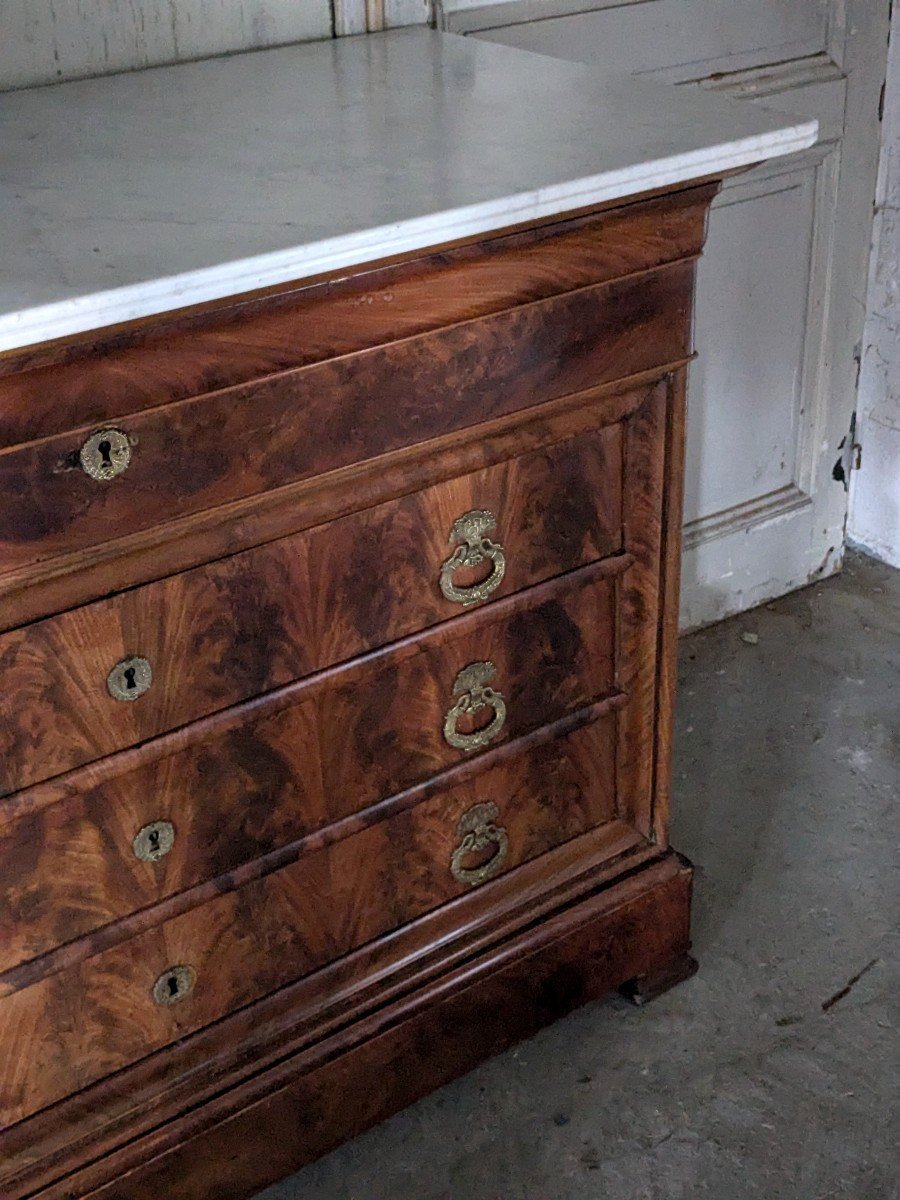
x=781, y=289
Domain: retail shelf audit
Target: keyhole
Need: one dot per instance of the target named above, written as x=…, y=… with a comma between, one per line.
x=174, y=985
x=154, y=841
x=129, y=679
x=105, y=454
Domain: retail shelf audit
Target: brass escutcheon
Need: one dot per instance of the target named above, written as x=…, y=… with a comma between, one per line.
x=470, y=531
x=129, y=679
x=105, y=454
x=173, y=985
x=478, y=829
x=474, y=694
x=154, y=841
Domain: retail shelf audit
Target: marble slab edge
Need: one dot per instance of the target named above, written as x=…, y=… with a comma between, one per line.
x=115, y=306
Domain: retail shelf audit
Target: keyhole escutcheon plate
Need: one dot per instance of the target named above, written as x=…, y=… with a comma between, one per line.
x=154, y=841
x=105, y=454
x=129, y=679
x=174, y=984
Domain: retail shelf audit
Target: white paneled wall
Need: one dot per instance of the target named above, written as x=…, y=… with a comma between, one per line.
x=780, y=291
x=42, y=41
x=875, y=494
x=369, y=16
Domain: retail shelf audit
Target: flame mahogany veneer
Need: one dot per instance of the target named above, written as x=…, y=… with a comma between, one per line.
x=355, y=835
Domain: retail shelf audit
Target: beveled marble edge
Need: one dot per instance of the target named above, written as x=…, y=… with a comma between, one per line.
x=97, y=310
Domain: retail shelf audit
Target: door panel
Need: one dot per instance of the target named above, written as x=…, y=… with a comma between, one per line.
x=779, y=304
x=683, y=41
x=751, y=318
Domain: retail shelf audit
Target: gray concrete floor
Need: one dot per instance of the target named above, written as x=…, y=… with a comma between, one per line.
x=771, y=1075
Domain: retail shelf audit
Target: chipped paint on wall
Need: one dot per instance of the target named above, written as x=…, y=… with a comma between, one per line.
x=874, y=521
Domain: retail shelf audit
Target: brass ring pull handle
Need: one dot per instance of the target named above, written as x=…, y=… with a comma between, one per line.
x=478, y=829
x=470, y=531
x=105, y=454
x=474, y=695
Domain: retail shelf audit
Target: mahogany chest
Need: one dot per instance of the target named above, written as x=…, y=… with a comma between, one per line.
x=338, y=628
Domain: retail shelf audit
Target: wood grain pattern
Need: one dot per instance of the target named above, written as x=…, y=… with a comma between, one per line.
x=639, y=606
x=308, y=756
x=357, y=1076
x=68, y=580
x=158, y=1090
x=205, y=452
x=73, y=1028
x=670, y=579
x=68, y=954
x=255, y=621
x=103, y=376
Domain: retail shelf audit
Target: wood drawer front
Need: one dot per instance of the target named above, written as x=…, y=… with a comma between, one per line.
x=209, y=450
x=262, y=776
x=255, y=621
x=86, y=1022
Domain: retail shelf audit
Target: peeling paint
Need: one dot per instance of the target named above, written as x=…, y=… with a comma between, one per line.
x=874, y=520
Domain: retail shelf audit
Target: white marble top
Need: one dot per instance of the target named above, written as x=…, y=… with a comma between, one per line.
x=139, y=193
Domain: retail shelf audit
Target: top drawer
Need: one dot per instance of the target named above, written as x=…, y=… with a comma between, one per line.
x=93, y=485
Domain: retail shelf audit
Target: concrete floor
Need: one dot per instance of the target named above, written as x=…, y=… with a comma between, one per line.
x=772, y=1074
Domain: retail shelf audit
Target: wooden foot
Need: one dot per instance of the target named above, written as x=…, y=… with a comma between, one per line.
x=645, y=988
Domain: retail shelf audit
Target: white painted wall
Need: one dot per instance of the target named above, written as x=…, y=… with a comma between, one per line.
x=44, y=41
x=370, y=16
x=874, y=520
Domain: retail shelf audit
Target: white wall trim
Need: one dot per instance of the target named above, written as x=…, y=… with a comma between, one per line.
x=773, y=78
x=349, y=17
x=744, y=516
x=470, y=16
x=371, y=16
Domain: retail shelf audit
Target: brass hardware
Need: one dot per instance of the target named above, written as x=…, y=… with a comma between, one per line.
x=478, y=829
x=129, y=679
x=154, y=841
x=474, y=695
x=470, y=531
x=173, y=985
x=105, y=454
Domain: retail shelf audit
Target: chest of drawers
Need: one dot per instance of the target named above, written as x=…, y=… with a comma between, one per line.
x=337, y=630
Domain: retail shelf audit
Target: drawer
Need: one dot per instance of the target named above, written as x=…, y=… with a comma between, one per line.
x=221, y=633
x=260, y=776
x=120, y=1005
x=99, y=483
